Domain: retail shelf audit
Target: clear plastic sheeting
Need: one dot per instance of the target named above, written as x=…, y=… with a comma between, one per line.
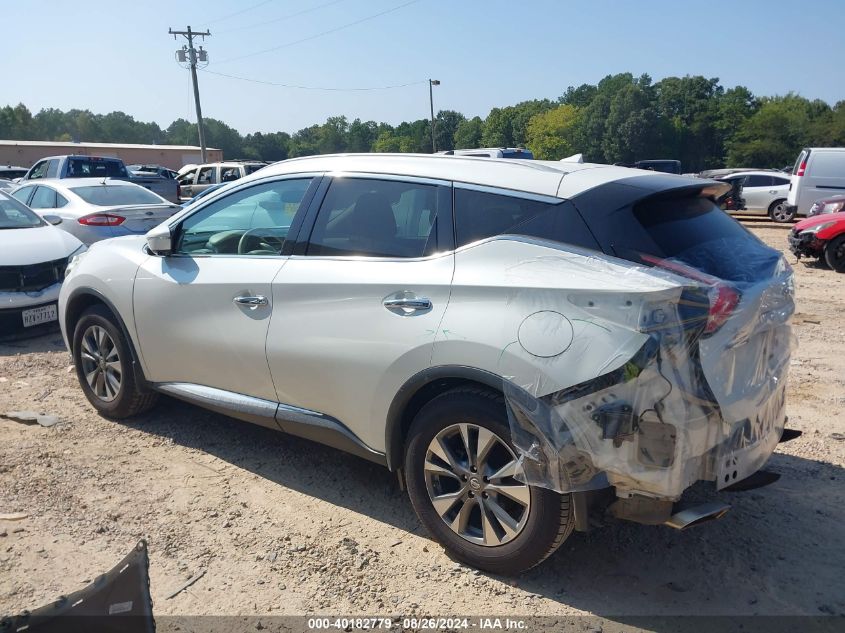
x=675, y=371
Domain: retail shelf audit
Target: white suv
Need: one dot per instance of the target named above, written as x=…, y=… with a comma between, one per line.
x=512, y=337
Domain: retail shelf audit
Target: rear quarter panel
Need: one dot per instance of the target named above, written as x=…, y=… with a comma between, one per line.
x=577, y=312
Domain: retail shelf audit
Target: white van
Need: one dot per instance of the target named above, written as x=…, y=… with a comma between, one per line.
x=491, y=152
x=818, y=173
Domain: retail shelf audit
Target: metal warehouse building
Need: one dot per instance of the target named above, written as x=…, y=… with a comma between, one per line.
x=26, y=153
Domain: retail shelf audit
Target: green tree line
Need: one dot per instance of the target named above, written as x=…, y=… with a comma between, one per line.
x=621, y=119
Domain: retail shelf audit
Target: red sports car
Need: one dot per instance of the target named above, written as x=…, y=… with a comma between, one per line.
x=821, y=236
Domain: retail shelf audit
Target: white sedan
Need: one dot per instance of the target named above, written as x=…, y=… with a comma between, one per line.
x=94, y=209
x=764, y=193
x=33, y=258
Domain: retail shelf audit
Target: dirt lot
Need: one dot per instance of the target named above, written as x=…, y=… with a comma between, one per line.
x=284, y=526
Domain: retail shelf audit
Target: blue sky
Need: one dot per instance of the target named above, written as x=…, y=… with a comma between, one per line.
x=118, y=56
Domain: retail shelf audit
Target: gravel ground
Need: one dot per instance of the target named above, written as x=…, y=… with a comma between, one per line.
x=284, y=526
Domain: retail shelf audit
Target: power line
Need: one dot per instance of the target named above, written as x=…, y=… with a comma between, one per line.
x=231, y=15
x=328, y=89
x=313, y=37
x=284, y=17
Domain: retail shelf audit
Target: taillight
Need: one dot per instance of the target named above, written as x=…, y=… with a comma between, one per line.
x=801, y=168
x=723, y=301
x=723, y=298
x=101, y=219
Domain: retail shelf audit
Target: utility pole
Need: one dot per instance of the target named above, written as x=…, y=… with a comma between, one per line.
x=431, y=83
x=191, y=55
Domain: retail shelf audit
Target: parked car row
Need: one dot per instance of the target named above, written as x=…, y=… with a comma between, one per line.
x=72, y=166
x=762, y=193
x=94, y=209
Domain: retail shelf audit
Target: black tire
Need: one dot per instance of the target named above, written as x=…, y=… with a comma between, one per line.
x=128, y=399
x=779, y=214
x=834, y=254
x=550, y=517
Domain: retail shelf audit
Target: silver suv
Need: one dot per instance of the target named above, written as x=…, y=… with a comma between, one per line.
x=197, y=179
x=509, y=336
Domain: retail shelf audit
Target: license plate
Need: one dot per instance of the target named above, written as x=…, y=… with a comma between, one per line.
x=43, y=314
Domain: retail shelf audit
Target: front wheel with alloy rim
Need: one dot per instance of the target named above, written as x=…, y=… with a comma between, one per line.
x=834, y=254
x=104, y=366
x=463, y=480
x=779, y=212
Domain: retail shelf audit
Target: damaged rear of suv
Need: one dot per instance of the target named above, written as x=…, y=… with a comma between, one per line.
x=693, y=312
x=519, y=339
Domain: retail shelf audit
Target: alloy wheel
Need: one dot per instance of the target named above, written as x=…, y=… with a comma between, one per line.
x=101, y=363
x=780, y=213
x=470, y=478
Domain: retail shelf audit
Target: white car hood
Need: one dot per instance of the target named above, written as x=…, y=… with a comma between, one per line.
x=21, y=247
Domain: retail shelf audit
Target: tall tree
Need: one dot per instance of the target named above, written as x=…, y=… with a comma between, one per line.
x=469, y=133
x=447, y=124
x=551, y=133
x=773, y=136
x=688, y=108
x=631, y=130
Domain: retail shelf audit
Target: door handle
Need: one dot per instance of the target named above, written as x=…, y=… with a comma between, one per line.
x=251, y=302
x=410, y=303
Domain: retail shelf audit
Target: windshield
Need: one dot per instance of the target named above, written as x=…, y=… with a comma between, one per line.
x=14, y=215
x=251, y=169
x=112, y=195
x=96, y=168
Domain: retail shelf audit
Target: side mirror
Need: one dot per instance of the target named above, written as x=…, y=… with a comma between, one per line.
x=160, y=240
x=52, y=219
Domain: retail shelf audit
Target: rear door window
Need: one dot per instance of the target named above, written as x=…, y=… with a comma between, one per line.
x=206, y=176
x=757, y=180
x=377, y=218
x=43, y=198
x=228, y=174
x=481, y=214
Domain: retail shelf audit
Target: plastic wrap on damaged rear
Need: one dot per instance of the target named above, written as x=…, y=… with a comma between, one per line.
x=705, y=307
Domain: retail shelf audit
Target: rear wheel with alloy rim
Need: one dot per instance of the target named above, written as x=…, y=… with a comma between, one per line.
x=470, y=479
x=104, y=366
x=834, y=254
x=779, y=212
x=463, y=479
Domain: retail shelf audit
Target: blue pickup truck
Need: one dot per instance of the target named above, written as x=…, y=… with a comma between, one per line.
x=81, y=166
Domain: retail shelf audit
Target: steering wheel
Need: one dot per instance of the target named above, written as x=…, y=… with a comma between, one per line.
x=253, y=234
